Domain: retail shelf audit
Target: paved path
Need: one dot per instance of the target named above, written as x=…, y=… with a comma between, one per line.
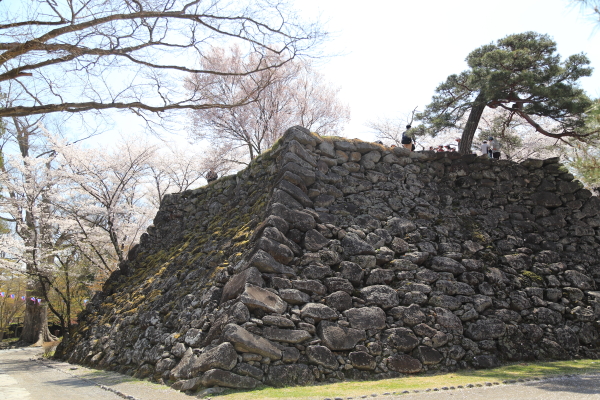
x=24, y=377
x=578, y=387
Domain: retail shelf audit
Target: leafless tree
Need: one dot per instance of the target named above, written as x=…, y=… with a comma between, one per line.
x=519, y=140
x=294, y=94
x=72, y=56
x=389, y=130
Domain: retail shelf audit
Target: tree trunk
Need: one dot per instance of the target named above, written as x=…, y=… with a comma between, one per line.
x=35, y=324
x=472, y=122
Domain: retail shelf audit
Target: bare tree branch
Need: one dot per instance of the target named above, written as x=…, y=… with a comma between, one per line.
x=72, y=57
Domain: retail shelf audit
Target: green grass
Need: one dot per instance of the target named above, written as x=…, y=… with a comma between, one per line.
x=354, y=389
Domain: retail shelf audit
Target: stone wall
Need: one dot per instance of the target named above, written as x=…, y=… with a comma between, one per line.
x=331, y=259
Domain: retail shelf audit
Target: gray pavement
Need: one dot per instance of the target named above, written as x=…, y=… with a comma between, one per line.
x=578, y=387
x=24, y=376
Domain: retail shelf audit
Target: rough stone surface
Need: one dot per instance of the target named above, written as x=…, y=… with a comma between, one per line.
x=289, y=375
x=331, y=259
x=286, y=335
x=362, y=360
x=217, y=377
x=366, y=318
x=336, y=337
x=318, y=311
x=404, y=364
x=223, y=356
x=244, y=341
x=321, y=355
x=255, y=297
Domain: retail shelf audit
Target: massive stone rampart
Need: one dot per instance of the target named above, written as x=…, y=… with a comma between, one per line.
x=332, y=259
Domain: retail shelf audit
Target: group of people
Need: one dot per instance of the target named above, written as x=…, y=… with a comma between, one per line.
x=442, y=148
x=492, y=149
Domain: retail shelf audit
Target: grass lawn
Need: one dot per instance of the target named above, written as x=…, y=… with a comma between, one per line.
x=354, y=389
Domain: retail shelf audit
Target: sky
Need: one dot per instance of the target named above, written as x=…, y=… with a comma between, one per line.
x=391, y=55
x=388, y=56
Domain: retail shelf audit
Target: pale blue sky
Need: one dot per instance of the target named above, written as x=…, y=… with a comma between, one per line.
x=391, y=55
x=394, y=53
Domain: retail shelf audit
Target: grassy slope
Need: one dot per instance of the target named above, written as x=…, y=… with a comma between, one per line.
x=354, y=389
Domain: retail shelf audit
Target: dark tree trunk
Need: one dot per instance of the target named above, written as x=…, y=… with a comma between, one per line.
x=35, y=324
x=472, y=122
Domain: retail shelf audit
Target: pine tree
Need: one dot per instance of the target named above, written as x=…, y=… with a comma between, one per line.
x=521, y=73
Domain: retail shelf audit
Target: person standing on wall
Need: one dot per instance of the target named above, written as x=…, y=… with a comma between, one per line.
x=211, y=176
x=485, y=147
x=494, y=148
x=407, y=140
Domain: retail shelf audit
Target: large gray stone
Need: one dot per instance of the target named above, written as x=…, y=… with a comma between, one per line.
x=321, y=355
x=412, y=315
x=290, y=355
x=306, y=174
x=399, y=246
x=448, y=320
x=223, y=356
x=255, y=297
x=486, y=329
x=354, y=245
x=286, y=335
x=362, y=360
x=294, y=296
x=337, y=284
x=265, y=262
x=237, y=283
x=338, y=338
x=400, y=226
x=366, y=318
x=428, y=355
x=193, y=337
x=280, y=252
x=543, y=315
x=380, y=276
x=318, y=312
x=299, y=150
x=246, y=342
x=546, y=199
x=289, y=375
x=404, y=364
x=380, y=295
x=402, y=339
x=278, y=320
x=314, y=241
x=188, y=384
x=351, y=271
x=218, y=377
x=445, y=264
x=301, y=135
x=579, y=280
x=317, y=271
x=248, y=370
x=183, y=369
x=310, y=285
x=339, y=300
x=328, y=149
x=445, y=301
x=300, y=220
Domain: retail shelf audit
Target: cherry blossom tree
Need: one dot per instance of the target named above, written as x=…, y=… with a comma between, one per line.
x=29, y=185
x=294, y=94
x=65, y=56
